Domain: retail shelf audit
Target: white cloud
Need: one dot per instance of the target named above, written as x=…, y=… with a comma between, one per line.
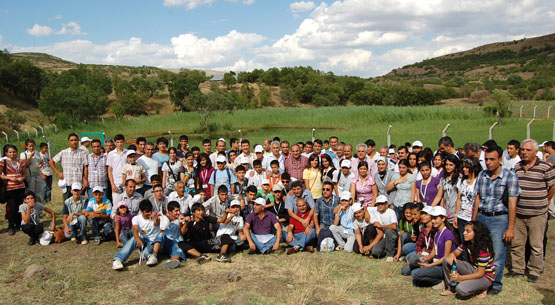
x=302, y=6
x=72, y=28
x=40, y=30
x=188, y=4
x=248, y=2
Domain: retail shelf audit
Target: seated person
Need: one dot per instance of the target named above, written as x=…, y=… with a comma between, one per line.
x=385, y=220
x=123, y=224
x=173, y=235
x=406, y=231
x=74, y=216
x=366, y=235
x=158, y=199
x=297, y=192
x=279, y=207
x=324, y=211
x=424, y=244
x=217, y=205
x=231, y=223
x=30, y=211
x=342, y=228
x=258, y=229
x=248, y=202
x=299, y=235
x=185, y=200
x=98, y=214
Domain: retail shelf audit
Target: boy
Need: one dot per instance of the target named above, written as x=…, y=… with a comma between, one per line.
x=146, y=228
x=231, y=223
x=242, y=182
x=343, y=182
x=385, y=220
x=173, y=235
x=162, y=154
x=74, y=215
x=218, y=204
x=222, y=176
x=366, y=235
x=248, y=201
x=275, y=175
x=30, y=211
x=266, y=193
x=342, y=228
x=298, y=235
x=134, y=171
x=256, y=175
x=183, y=146
x=33, y=164
x=46, y=173
x=98, y=213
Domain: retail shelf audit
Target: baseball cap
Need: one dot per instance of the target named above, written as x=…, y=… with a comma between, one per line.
x=543, y=143
x=235, y=203
x=391, y=151
x=381, y=199
x=220, y=159
x=277, y=187
x=221, y=139
x=76, y=186
x=130, y=152
x=345, y=196
x=346, y=163
x=85, y=139
x=438, y=211
x=258, y=149
x=356, y=207
x=417, y=144
x=265, y=181
x=122, y=204
x=98, y=189
x=260, y=201
x=62, y=184
x=427, y=209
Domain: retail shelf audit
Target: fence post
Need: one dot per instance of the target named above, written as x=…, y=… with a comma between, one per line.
x=528, y=128
x=548, y=111
x=521, y=106
x=240, y=136
x=36, y=132
x=536, y=106
x=491, y=130
x=171, y=138
x=27, y=131
x=444, y=132
x=17, y=134
x=313, y=134
x=389, y=136
x=55, y=129
x=41, y=130
x=6, y=136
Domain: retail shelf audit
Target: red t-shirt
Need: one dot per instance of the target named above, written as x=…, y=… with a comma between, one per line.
x=297, y=226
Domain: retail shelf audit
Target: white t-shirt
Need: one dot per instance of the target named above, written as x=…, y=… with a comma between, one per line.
x=510, y=163
x=359, y=224
x=343, y=182
x=386, y=218
x=147, y=229
x=231, y=228
x=151, y=166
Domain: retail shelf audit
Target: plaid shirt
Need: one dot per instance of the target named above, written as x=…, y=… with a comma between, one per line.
x=98, y=174
x=491, y=191
x=72, y=164
x=296, y=167
x=324, y=209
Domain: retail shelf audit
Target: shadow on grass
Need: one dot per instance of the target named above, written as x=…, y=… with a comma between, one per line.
x=548, y=295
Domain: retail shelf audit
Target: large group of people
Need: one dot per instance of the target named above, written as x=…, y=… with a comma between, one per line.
x=450, y=216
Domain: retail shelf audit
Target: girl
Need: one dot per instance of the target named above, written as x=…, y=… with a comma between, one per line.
x=413, y=163
x=232, y=157
x=188, y=175
x=426, y=189
x=13, y=171
x=406, y=231
x=171, y=171
x=312, y=176
x=383, y=177
x=447, y=191
x=124, y=227
x=203, y=173
x=329, y=173
x=363, y=186
x=437, y=161
x=430, y=272
x=476, y=276
x=403, y=184
x=424, y=245
x=466, y=194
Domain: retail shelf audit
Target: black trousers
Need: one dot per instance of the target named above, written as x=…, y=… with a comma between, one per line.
x=369, y=234
x=15, y=199
x=210, y=245
x=34, y=231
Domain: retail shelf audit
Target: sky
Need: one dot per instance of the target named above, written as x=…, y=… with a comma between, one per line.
x=364, y=38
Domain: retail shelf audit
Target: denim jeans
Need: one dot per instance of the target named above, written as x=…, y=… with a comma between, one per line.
x=47, y=189
x=301, y=239
x=170, y=247
x=412, y=263
x=263, y=247
x=130, y=246
x=80, y=226
x=97, y=224
x=408, y=248
x=426, y=277
x=497, y=226
x=125, y=235
x=387, y=246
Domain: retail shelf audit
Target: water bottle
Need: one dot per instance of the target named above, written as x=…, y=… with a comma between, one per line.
x=453, y=284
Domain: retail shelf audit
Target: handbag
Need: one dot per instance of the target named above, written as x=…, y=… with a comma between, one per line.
x=3, y=186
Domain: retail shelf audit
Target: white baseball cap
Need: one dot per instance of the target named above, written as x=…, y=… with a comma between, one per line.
x=98, y=189
x=346, y=163
x=438, y=211
x=265, y=181
x=543, y=143
x=221, y=139
x=258, y=149
x=260, y=201
x=245, y=160
x=356, y=207
x=417, y=144
x=427, y=209
x=76, y=186
x=130, y=152
x=220, y=159
x=62, y=184
x=235, y=203
x=46, y=238
x=391, y=151
x=85, y=139
x=381, y=199
x=345, y=196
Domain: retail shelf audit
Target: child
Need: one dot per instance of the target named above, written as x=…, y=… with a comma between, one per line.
x=248, y=201
x=98, y=213
x=406, y=231
x=467, y=195
x=46, y=173
x=342, y=228
x=222, y=176
x=343, y=182
x=266, y=193
x=74, y=216
x=424, y=245
x=231, y=223
x=430, y=274
x=297, y=237
x=476, y=276
x=256, y=175
x=146, y=228
x=134, y=171
x=366, y=235
x=385, y=220
x=274, y=175
x=30, y=211
x=33, y=164
x=173, y=235
x=124, y=226
x=242, y=181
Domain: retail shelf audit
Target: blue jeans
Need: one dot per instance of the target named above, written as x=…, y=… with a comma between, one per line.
x=301, y=239
x=170, y=247
x=263, y=247
x=47, y=189
x=98, y=224
x=80, y=226
x=125, y=235
x=130, y=246
x=497, y=226
x=426, y=277
x=408, y=248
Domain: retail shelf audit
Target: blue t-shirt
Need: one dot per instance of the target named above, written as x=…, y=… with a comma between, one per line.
x=219, y=177
x=105, y=206
x=161, y=158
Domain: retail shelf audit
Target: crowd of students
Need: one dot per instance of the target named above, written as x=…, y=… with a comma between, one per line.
x=448, y=215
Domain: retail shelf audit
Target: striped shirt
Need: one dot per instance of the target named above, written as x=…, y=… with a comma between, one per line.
x=535, y=183
x=491, y=190
x=98, y=173
x=484, y=259
x=15, y=171
x=73, y=162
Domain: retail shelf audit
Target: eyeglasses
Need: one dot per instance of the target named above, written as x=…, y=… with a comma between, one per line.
x=326, y=189
x=284, y=181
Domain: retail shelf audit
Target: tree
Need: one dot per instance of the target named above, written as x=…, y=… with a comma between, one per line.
x=180, y=89
x=502, y=104
x=265, y=96
x=514, y=79
x=287, y=96
x=23, y=79
x=117, y=109
x=78, y=102
x=271, y=77
x=14, y=119
x=229, y=79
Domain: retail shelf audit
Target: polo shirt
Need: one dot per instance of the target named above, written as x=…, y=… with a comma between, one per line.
x=264, y=225
x=291, y=200
x=535, y=183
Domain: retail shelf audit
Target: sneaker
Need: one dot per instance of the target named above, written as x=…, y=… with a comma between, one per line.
x=171, y=264
x=513, y=274
x=402, y=259
x=389, y=259
x=152, y=260
x=84, y=242
x=338, y=248
x=203, y=259
x=73, y=238
x=533, y=278
x=223, y=258
x=117, y=265
x=494, y=291
x=251, y=251
x=11, y=231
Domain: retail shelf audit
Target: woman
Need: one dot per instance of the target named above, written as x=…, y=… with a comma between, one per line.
x=447, y=191
x=13, y=171
x=171, y=171
x=403, y=185
x=232, y=157
x=464, y=206
x=203, y=173
x=413, y=163
x=426, y=189
x=312, y=176
x=329, y=173
x=383, y=177
x=437, y=161
x=188, y=175
x=363, y=186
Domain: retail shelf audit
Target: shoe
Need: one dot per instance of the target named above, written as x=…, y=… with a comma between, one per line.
x=203, y=259
x=309, y=249
x=494, y=291
x=533, y=278
x=338, y=248
x=513, y=274
x=366, y=253
x=291, y=250
x=251, y=251
x=73, y=238
x=84, y=242
x=171, y=264
x=389, y=259
x=223, y=258
x=402, y=259
x=152, y=260
x=11, y=231
x=32, y=241
x=97, y=241
x=117, y=265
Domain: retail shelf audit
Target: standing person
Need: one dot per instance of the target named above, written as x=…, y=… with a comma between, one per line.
x=151, y=166
x=133, y=171
x=362, y=155
x=413, y=165
x=222, y=176
x=447, y=147
x=329, y=172
x=140, y=143
x=246, y=152
x=344, y=178
x=97, y=168
x=312, y=176
x=372, y=154
x=284, y=148
x=437, y=162
x=494, y=209
x=220, y=147
x=447, y=191
x=32, y=164
x=404, y=186
x=274, y=155
x=189, y=175
x=383, y=177
x=171, y=171
x=162, y=153
x=116, y=159
x=85, y=144
x=512, y=157
x=13, y=171
x=183, y=147
x=46, y=173
x=537, y=180
x=296, y=163
x=74, y=165
x=363, y=186
x=466, y=194
x=109, y=146
x=204, y=172
x=426, y=189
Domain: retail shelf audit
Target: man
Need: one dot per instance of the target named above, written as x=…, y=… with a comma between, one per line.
x=495, y=211
x=183, y=146
x=217, y=205
x=116, y=159
x=307, y=148
x=180, y=196
x=109, y=146
x=74, y=165
x=234, y=146
x=96, y=168
x=284, y=149
x=207, y=146
x=537, y=180
x=267, y=147
x=274, y=155
x=246, y=151
x=549, y=147
x=296, y=163
x=298, y=234
x=258, y=229
x=220, y=147
x=317, y=148
x=162, y=154
x=297, y=192
x=447, y=146
x=512, y=155
x=334, y=141
x=417, y=147
x=140, y=143
x=151, y=165
x=98, y=215
x=362, y=151
x=402, y=153
x=159, y=200
x=372, y=154
x=130, y=197
x=85, y=144
x=472, y=149
x=324, y=212
x=347, y=152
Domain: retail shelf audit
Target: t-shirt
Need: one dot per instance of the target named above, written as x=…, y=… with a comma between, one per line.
x=150, y=165
x=343, y=182
x=468, y=196
x=298, y=227
x=346, y=220
x=231, y=228
x=359, y=224
x=386, y=218
x=403, y=190
x=314, y=177
x=510, y=163
x=105, y=206
x=450, y=193
x=428, y=191
x=133, y=171
x=161, y=158
x=551, y=159
x=172, y=231
x=264, y=225
x=35, y=212
x=147, y=229
x=268, y=196
x=484, y=259
x=125, y=222
x=440, y=239
x=222, y=177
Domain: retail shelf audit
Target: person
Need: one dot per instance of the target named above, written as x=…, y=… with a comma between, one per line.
x=312, y=176
x=266, y=192
x=430, y=272
x=424, y=244
x=259, y=229
x=96, y=168
x=123, y=224
x=437, y=162
x=247, y=205
x=382, y=177
x=366, y=235
x=325, y=209
x=549, y=148
x=256, y=175
x=222, y=176
x=473, y=277
x=537, y=180
x=134, y=171
x=385, y=220
x=511, y=156
x=171, y=171
x=275, y=175
x=131, y=199
x=344, y=178
x=115, y=161
x=242, y=181
x=495, y=210
x=413, y=165
x=146, y=227
x=329, y=172
x=362, y=156
x=299, y=235
x=74, y=218
x=220, y=150
x=447, y=147
x=180, y=196
x=297, y=192
x=426, y=189
x=231, y=223
x=109, y=146
x=307, y=148
x=172, y=235
x=342, y=228
x=85, y=144
x=274, y=156
x=203, y=173
x=32, y=165
x=189, y=174
x=159, y=200
x=162, y=153
x=140, y=143
x=13, y=171
x=217, y=205
x=74, y=165
x=363, y=186
x=46, y=173
x=284, y=150
x=403, y=184
x=447, y=191
x=30, y=211
x=406, y=231
x=473, y=149
x=246, y=152
x=466, y=196
x=98, y=215
x=417, y=147
x=278, y=207
x=151, y=166
x=296, y=163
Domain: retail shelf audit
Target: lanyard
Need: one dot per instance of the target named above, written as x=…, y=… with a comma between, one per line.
x=278, y=207
x=425, y=189
x=438, y=237
x=204, y=174
x=427, y=240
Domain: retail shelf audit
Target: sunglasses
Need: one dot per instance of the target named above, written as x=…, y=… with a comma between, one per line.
x=284, y=181
x=326, y=189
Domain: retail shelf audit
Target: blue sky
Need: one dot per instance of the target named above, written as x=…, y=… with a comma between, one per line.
x=354, y=37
